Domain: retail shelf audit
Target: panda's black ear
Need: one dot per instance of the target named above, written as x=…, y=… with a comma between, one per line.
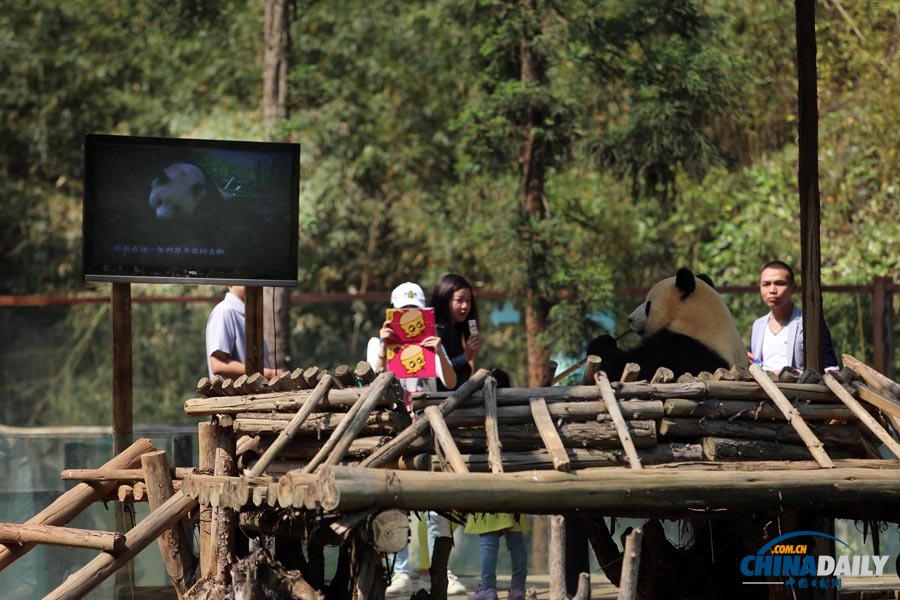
x=685, y=282
x=707, y=279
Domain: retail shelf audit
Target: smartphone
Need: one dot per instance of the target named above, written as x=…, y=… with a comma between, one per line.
x=473, y=327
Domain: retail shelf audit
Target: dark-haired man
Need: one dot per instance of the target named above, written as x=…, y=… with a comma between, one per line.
x=776, y=339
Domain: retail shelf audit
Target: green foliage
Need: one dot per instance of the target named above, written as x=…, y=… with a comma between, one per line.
x=672, y=74
x=79, y=67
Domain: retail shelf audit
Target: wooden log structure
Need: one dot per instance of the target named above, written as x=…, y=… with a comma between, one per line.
x=142, y=535
x=70, y=504
x=336, y=449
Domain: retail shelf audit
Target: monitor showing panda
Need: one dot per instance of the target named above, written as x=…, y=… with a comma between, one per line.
x=163, y=210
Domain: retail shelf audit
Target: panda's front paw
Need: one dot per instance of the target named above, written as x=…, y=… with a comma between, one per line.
x=602, y=346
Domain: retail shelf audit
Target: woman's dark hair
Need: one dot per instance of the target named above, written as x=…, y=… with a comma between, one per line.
x=442, y=294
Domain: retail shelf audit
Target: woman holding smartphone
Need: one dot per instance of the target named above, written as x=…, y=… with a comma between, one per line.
x=456, y=320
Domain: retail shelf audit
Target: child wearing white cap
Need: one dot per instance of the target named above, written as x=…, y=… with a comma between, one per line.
x=410, y=295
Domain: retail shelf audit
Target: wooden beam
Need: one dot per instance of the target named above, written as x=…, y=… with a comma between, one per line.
x=491, y=431
x=275, y=401
x=347, y=489
x=875, y=379
x=365, y=403
x=792, y=416
x=13, y=533
x=612, y=407
x=292, y=428
x=863, y=415
x=549, y=435
x=254, y=328
x=883, y=401
x=444, y=445
x=115, y=474
x=356, y=422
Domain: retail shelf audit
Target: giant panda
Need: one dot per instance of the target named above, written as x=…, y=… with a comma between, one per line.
x=182, y=191
x=683, y=325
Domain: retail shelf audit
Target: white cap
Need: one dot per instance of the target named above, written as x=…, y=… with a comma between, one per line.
x=408, y=294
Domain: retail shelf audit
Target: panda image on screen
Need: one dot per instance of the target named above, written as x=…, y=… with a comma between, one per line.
x=189, y=209
x=683, y=325
x=183, y=191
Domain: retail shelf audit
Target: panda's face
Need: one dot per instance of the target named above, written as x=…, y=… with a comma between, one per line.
x=661, y=307
x=690, y=306
x=177, y=191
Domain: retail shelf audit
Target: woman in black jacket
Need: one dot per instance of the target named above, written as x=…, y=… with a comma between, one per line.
x=456, y=320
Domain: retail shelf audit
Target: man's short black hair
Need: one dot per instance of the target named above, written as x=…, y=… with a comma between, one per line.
x=777, y=264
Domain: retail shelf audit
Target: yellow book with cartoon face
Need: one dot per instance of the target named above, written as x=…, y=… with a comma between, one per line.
x=408, y=358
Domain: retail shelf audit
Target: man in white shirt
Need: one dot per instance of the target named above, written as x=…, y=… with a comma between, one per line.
x=776, y=339
x=226, y=351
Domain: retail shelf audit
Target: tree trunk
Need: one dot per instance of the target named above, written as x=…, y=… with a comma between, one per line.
x=534, y=204
x=277, y=301
x=808, y=183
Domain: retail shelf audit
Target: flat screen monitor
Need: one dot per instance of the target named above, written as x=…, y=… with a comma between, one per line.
x=161, y=210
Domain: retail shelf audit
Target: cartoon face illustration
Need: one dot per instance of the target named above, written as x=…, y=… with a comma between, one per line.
x=413, y=359
x=412, y=322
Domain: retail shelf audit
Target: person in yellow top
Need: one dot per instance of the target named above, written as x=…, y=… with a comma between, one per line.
x=490, y=527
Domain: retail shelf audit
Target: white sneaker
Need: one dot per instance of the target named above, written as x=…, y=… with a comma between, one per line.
x=401, y=583
x=454, y=585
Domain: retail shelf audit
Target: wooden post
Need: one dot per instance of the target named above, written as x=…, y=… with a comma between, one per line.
x=206, y=442
x=882, y=326
x=253, y=309
x=808, y=183
x=122, y=398
x=557, y=566
x=631, y=565
x=224, y=520
x=173, y=544
x=491, y=431
x=123, y=418
x=549, y=372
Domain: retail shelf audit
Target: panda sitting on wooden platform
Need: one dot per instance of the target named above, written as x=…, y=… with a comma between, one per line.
x=684, y=325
